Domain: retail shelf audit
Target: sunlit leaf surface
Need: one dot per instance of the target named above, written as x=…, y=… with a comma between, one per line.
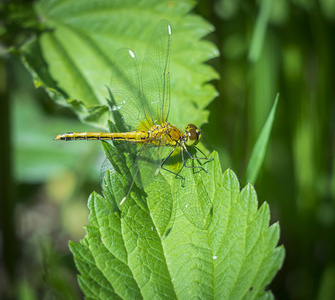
x=148, y=246
x=73, y=57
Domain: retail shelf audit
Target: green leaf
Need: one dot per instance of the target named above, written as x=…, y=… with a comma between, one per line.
x=91, y=281
x=259, y=150
x=73, y=58
x=152, y=246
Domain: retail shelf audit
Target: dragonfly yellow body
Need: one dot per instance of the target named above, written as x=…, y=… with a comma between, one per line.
x=159, y=135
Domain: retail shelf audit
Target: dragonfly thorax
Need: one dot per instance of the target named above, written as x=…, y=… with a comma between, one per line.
x=165, y=134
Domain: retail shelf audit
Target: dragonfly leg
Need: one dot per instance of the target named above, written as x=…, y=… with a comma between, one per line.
x=205, y=156
x=164, y=161
x=195, y=158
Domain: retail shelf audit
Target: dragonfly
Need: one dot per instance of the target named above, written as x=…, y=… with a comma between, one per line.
x=143, y=101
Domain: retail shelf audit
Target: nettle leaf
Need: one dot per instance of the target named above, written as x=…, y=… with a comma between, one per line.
x=166, y=242
x=73, y=57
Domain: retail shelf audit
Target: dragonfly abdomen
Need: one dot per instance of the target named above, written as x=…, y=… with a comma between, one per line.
x=133, y=136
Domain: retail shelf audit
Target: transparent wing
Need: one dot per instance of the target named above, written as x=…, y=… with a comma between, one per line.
x=155, y=73
x=194, y=200
x=148, y=161
x=143, y=161
x=139, y=214
x=143, y=101
x=199, y=210
x=125, y=90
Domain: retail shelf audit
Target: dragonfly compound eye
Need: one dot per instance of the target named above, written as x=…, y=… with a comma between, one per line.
x=193, y=135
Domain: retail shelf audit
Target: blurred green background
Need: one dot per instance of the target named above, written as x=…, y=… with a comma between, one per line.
x=265, y=47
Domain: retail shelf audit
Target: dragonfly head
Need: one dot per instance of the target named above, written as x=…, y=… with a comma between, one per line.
x=192, y=135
